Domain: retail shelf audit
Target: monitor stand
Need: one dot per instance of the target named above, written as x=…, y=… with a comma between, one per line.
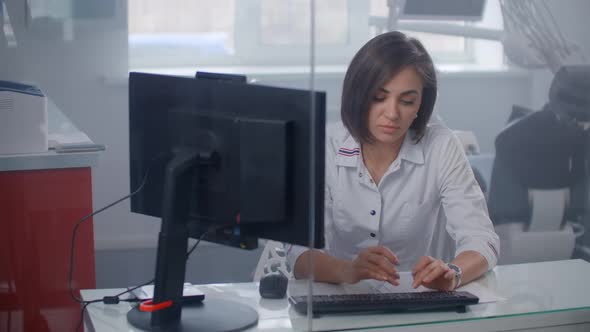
x=213, y=314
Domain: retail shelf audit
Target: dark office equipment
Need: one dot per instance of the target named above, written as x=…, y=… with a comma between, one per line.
x=221, y=76
x=518, y=112
x=385, y=302
x=461, y=10
x=232, y=157
x=273, y=286
x=538, y=155
x=542, y=150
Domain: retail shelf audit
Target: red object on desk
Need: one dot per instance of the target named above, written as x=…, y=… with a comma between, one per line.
x=150, y=306
x=38, y=211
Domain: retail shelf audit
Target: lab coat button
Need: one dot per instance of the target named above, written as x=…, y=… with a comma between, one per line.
x=372, y=212
x=372, y=234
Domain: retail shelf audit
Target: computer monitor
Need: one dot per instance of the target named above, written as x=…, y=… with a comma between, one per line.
x=452, y=10
x=220, y=153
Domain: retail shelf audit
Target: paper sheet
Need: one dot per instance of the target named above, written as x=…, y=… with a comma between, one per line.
x=64, y=136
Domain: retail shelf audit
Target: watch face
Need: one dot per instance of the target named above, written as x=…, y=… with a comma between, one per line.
x=455, y=268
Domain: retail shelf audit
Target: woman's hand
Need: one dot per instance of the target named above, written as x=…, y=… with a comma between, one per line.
x=372, y=263
x=434, y=274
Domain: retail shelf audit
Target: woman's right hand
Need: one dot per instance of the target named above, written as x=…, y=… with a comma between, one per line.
x=372, y=263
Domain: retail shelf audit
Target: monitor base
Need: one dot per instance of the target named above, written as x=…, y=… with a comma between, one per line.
x=215, y=315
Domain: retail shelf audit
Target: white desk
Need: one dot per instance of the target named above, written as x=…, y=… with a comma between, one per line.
x=549, y=296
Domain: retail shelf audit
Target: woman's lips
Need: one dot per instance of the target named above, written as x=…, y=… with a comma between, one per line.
x=389, y=129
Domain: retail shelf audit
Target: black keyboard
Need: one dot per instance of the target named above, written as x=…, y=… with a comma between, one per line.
x=389, y=302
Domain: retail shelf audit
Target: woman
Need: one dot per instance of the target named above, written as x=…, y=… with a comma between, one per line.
x=400, y=194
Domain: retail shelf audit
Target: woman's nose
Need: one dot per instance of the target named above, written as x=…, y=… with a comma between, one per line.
x=391, y=112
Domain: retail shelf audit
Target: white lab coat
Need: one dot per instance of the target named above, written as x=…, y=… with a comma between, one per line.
x=427, y=203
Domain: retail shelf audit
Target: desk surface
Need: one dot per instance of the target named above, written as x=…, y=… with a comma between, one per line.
x=538, y=295
x=47, y=160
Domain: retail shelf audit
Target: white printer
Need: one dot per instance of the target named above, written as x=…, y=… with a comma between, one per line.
x=23, y=118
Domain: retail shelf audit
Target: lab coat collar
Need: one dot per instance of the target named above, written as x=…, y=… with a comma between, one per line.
x=412, y=151
x=348, y=153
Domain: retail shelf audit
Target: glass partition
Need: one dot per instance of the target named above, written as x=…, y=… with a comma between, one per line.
x=509, y=91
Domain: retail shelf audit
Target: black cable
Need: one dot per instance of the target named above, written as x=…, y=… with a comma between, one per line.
x=210, y=230
x=129, y=290
x=115, y=298
x=82, y=313
x=74, y=232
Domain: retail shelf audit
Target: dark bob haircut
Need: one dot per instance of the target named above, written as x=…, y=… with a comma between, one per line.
x=375, y=64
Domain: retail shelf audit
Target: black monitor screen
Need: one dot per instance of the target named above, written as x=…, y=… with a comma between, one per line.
x=261, y=136
x=463, y=10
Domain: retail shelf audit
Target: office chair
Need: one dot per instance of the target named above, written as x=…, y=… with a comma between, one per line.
x=538, y=189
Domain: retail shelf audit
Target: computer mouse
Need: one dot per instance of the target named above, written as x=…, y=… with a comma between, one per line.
x=273, y=286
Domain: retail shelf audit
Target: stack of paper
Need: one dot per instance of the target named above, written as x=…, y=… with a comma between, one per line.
x=64, y=136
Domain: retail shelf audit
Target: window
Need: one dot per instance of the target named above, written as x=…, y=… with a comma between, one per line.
x=184, y=33
x=288, y=22
x=278, y=32
x=7, y=38
x=180, y=32
x=242, y=32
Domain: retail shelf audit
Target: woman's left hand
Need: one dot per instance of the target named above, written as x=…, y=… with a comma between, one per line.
x=434, y=274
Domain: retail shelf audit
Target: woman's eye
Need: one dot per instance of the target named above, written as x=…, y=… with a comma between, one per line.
x=378, y=99
x=407, y=102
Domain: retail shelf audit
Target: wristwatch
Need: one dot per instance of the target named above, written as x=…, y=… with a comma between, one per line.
x=458, y=273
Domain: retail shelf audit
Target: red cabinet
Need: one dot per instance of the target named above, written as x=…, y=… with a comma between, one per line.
x=38, y=211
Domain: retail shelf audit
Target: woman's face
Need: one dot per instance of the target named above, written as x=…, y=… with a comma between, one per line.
x=395, y=106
